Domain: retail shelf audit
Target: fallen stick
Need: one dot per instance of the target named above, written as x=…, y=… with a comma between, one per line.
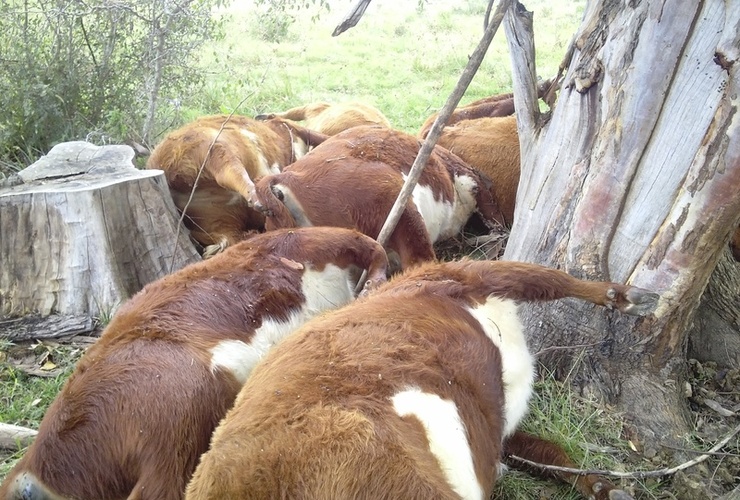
x=15, y=437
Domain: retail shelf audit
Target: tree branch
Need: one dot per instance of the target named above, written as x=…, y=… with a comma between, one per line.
x=520, y=38
x=352, y=18
x=637, y=474
x=426, y=149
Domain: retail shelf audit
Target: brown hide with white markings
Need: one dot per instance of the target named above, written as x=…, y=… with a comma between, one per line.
x=490, y=145
x=353, y=179
x=226, y=154
x=142, y=403
x=413, y=392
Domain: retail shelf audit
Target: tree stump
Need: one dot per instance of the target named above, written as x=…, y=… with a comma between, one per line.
x=82, y=229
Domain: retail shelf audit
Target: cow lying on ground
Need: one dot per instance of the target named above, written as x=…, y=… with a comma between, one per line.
x=142, y=403
x=488, y=107
x=413, y=392
x=353, y=179
x=330, y=119
x=224, y=155
x=490, y=145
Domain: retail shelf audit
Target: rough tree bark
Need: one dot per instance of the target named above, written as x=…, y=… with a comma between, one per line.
x=715, y=334
x=633, y=178
x=82, y=230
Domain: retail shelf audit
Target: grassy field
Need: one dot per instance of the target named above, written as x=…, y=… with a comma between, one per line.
x=402, y=59
x=405, y=60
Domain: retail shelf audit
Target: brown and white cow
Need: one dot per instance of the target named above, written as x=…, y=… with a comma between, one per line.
x=491, y=146
x=330, y=119
x=142, y=403
x=211, y=164
x=353, y=179
x=413, y=392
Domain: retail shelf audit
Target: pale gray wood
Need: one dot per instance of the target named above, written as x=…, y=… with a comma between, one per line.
x=84, y=231
x=14, y=437
x=53, y=326
x=635, y=178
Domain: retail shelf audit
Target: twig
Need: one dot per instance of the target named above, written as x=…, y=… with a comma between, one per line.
x=352, y=18
x=431, y=140
x=714, y=453
x=562, y=347
x=637, y=474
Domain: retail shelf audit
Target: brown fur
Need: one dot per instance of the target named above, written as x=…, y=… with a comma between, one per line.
x=488, y=107
x=353, y=179
x=490, y=145
x=220, y=213
x=143, y=401
x=735, y=244
x=330, y=119
x=315, y=419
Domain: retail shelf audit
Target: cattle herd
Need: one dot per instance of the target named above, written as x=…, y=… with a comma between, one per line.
x=260, y=372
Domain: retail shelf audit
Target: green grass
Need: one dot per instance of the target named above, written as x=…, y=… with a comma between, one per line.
x=25, y=398
x=403, y=60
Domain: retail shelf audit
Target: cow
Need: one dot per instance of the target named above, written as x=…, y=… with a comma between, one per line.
x=211, y=164
x=330, y=119
x=143, y=401
x=488, y=107
x=491, y=146
x=412, y=392
x=353, y=179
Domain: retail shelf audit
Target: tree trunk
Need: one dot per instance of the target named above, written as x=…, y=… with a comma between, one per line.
x=83, y=230
x=715, y=334
x=14, y=437
x=634, y=179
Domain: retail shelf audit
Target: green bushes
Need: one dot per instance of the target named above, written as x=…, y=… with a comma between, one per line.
x=101, y=71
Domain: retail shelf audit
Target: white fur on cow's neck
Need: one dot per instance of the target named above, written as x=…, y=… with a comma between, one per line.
x=443, y=219
x=323, y=290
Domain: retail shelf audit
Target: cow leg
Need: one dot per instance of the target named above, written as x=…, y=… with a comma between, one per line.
x=544, y=452
x=532, y=282
x=230, y=173
x=411, y=239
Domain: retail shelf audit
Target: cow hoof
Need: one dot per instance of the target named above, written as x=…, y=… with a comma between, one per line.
x=641, y=302
x=370, y=285
x=212, y=250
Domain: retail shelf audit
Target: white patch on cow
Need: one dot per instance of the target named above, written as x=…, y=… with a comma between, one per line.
x=250, y=135
x=300, y=148
x=275, y=168
x=293, y=205
x=322, y=290
x=448, y=439
x=443, y=219
x=263, y=168
x=465, y=203
x=500, y=321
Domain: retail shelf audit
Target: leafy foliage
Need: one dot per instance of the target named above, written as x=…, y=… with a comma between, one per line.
x=76, y=70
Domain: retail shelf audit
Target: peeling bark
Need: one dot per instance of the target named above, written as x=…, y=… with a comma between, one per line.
x=635, y=179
